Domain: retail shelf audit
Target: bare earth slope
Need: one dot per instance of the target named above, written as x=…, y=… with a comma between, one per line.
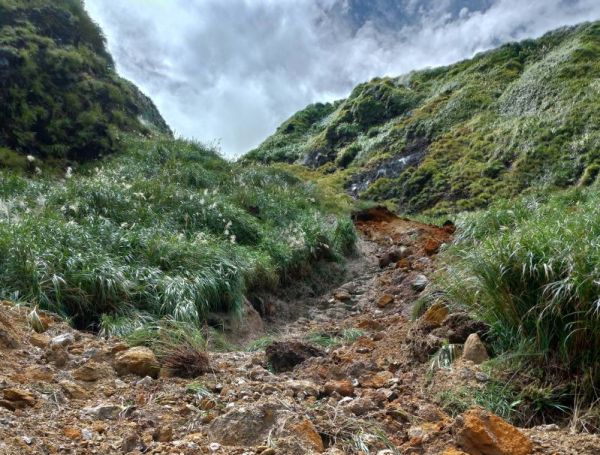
x=365, y=385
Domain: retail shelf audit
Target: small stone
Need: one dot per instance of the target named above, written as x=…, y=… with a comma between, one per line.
x=268, y=451
x=64, y=340
x=147, y=381
x=18, y=398
x=163, y=434
x=103, y=411
x=130, y=443
x=343, y=387
x=474, y=350
x=87, y=435
x=72, y=433
x=482, y=377
x=73, y=390
x=39, y=340
x=435, y=315
x=420, y=282
x=92, y=371
x=385, y=300
x=342, y=295
x=214, y=446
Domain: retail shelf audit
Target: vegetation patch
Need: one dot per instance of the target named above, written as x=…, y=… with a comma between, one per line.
x=166, y=228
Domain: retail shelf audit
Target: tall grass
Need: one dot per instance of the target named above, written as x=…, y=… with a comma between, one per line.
x=166, y=228
x=531, y=269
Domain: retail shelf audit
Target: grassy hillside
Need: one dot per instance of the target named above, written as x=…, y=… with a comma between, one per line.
x=61, y=98
x=165, y=228
x=458, y=137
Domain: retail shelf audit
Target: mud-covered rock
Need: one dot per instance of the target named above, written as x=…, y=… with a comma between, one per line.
x=244, y=426
x=92, y=371
x=474, y=350
x=479, y=432
x=139, y=361
x=285, y=355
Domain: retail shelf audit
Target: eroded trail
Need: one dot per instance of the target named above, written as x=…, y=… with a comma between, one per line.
x=350, y=374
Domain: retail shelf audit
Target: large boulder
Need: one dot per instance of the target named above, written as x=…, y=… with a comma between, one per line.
x=139, y=361
x=479, y=432
x=285, y=355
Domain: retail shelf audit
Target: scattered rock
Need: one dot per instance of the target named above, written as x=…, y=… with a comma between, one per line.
x=344, y=388
x=63, y=340
x=131, y=442
x=92, y=371
x=57, y=355
x=39, y=340
x=431, y=246
x=420, y=282
x=393, y=255
x=163, y=434
x=307, y=436
x=244, y=426
x=73, y=390
x=285, y=355
x=139, y=361
x=480, y=432
x=342, y=295
x=385, y=300
x=17, y=399
x=474, y=350
x=435, y=315
x=103, y=411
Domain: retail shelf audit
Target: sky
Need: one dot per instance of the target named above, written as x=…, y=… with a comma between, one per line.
x=228, y=72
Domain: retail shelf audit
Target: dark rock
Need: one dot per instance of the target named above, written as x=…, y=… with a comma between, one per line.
x=393, y=255
x=460, y=325
x=285, y=355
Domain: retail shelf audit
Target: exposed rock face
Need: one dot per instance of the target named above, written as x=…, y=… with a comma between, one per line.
x=285, y=355
x=474, y=350
x=481, y=433
x=139, y=361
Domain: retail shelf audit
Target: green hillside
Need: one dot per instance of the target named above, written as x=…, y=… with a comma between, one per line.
x=61, y=98
x=458, y=137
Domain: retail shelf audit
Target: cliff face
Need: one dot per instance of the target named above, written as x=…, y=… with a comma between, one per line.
x=525, y=115
x=61, y=97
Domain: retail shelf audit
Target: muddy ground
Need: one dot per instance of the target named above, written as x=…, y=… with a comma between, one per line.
x=344, y=370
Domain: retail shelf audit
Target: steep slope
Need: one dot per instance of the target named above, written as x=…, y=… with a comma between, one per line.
x=61, y=97
x=457, y=137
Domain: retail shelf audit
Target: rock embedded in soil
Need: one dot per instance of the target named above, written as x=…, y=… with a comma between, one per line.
x=481, y=432
x=139, y=361
x=343, y=387
x=91, y=371
x=285, y=355
x=14, y=398
x=420, y=282
x=474, y=350
x=435, y=315
x=385, y=300
x=245, y=426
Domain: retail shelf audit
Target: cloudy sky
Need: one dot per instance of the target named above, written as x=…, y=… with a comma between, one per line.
x=232, y=70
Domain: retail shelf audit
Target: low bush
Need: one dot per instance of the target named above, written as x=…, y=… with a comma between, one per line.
x=166, y=228
x=529, y=268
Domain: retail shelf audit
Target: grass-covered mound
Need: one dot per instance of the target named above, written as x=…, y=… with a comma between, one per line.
x=61, y=98
x=530, y=269
x=165, y=228
x=459, y=137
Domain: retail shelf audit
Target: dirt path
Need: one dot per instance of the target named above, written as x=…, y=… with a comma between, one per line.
x=351, y=375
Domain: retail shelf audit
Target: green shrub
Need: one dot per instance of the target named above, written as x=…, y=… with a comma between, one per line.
x=166, y=228
x=529, y=268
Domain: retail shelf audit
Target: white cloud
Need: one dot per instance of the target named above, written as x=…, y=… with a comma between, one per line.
x=235, y=69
